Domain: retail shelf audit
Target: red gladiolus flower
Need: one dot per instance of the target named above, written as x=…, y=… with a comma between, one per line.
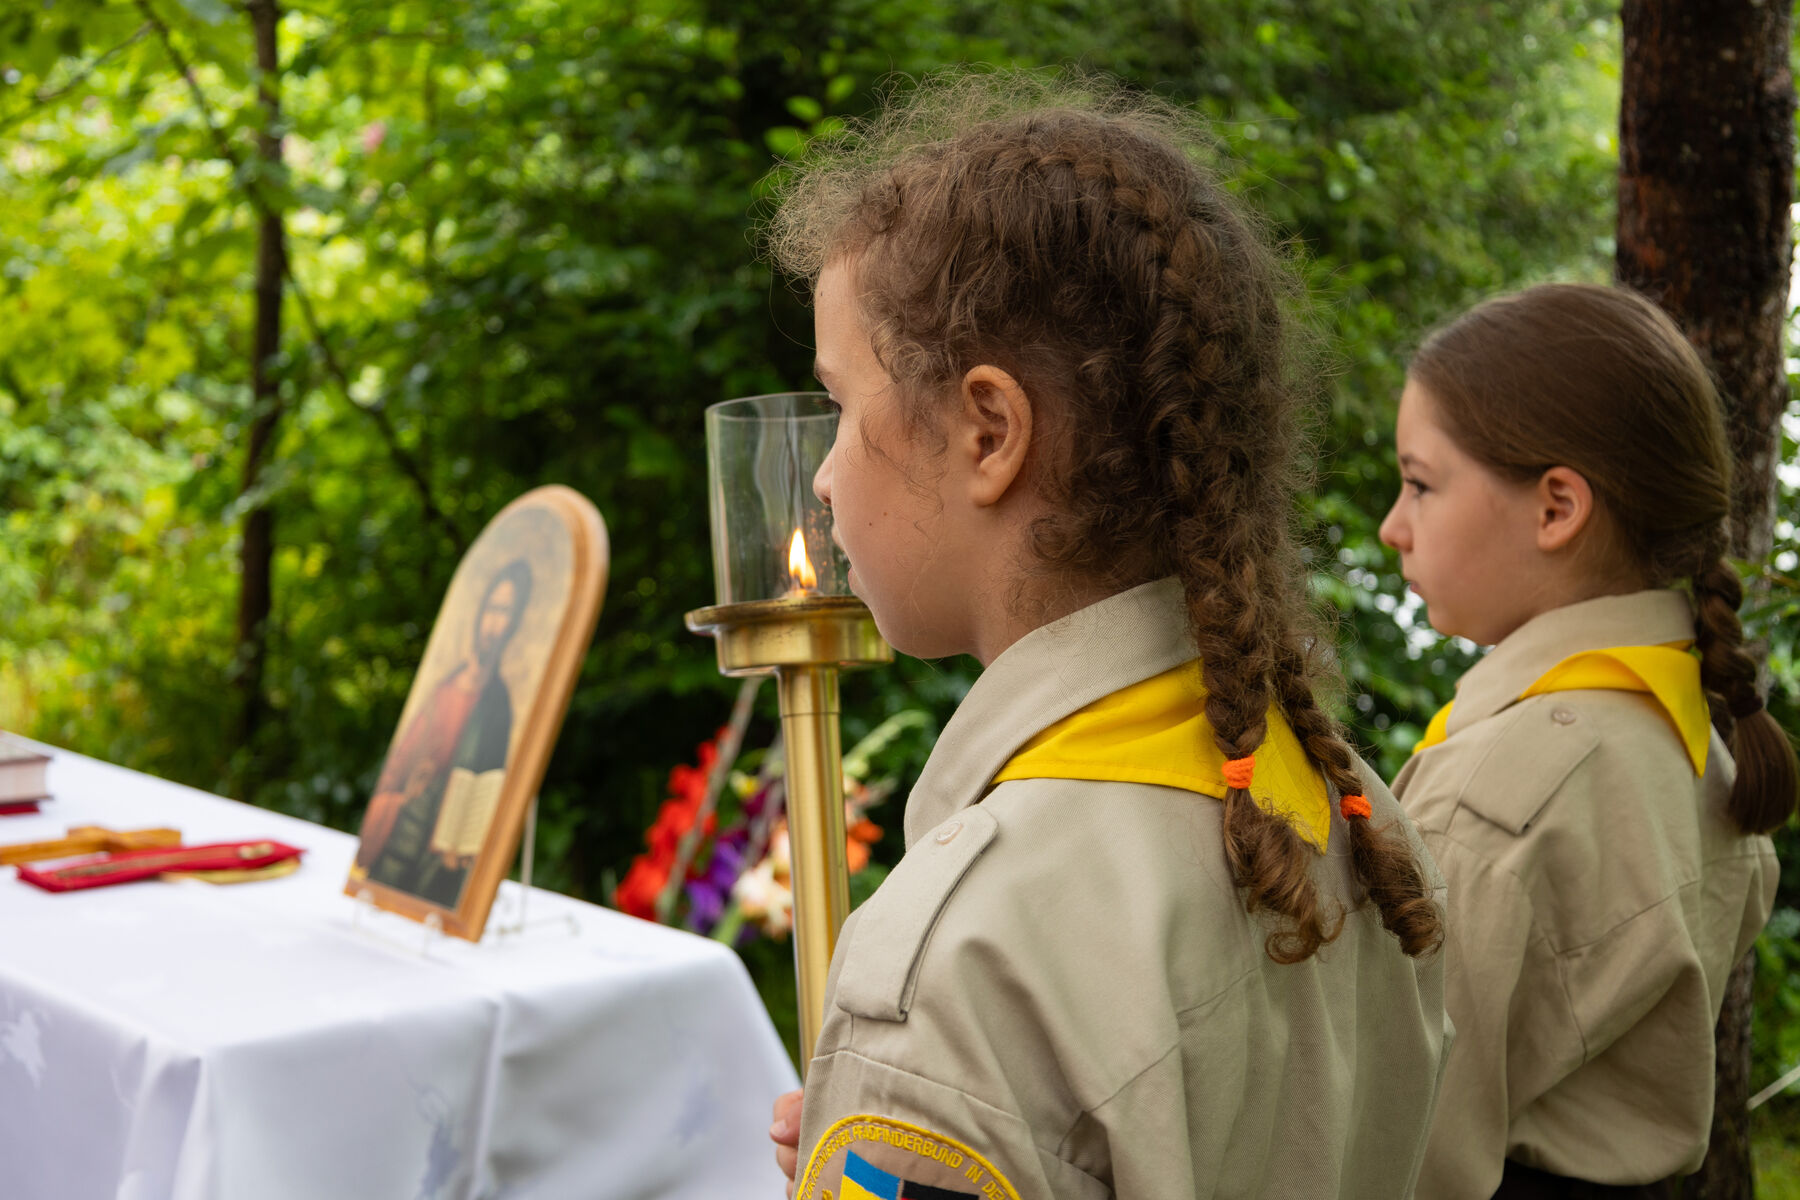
x=637, y=893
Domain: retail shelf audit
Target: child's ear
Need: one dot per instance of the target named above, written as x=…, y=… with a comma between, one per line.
x=1565, y=504
x=996, y=432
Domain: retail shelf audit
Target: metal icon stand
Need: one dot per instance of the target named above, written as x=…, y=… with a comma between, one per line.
x=513, y=925
x=369, y=921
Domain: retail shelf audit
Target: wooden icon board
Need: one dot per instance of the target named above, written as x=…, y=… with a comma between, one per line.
x=475, y=736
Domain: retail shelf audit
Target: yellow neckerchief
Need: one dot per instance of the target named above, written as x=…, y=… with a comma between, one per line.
x=1667, y=673
x=1156, y=731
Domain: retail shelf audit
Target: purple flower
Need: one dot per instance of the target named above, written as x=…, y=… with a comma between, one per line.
x=708, y=892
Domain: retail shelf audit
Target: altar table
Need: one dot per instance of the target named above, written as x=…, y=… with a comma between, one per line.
x=259, y=1041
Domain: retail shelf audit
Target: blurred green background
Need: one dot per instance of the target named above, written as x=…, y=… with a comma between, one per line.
x=523, y=234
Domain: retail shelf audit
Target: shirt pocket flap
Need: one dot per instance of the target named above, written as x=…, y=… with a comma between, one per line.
x=1527, y=765
x=882, y=955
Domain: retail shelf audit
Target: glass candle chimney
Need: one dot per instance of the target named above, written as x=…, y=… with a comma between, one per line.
x=771, y=537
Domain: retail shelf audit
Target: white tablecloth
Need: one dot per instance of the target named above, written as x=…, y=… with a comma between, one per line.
x=254, y=1042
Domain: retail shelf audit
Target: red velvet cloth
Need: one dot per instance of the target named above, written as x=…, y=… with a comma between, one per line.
x=127, y=866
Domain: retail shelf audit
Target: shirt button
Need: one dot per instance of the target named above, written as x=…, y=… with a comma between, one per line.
x=948, y=832
x=1563, y=716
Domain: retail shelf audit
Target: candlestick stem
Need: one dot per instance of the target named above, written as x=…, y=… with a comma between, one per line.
x=815, y=808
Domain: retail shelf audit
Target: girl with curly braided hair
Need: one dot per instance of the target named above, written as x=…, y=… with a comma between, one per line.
x=1598, y=793
x=1158, y=931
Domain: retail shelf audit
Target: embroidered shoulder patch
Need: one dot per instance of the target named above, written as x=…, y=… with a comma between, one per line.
x=866, y=1157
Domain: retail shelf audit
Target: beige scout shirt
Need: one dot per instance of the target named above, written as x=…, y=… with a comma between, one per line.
x=1600, y=897
x=1057, y=993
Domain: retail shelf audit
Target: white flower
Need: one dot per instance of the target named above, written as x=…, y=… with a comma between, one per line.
x=764, y=899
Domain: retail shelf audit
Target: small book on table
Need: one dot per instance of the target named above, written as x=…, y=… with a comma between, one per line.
x=23, y=771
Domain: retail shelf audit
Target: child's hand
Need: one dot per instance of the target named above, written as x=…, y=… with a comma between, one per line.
x=785, y=1133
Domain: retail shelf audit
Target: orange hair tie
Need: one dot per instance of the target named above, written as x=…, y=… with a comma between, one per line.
x=1238, y=771
x=1356, y=805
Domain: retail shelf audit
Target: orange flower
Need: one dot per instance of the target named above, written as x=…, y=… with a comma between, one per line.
x=862, y=835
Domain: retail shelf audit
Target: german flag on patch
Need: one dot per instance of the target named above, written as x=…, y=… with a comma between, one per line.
x=863, y=1180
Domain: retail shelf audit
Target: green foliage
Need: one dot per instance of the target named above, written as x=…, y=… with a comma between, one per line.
x=523, y=233
x=523, y=230
x=1773, y=617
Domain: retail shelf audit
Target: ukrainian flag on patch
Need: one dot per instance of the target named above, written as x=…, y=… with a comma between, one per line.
x=863, y=1180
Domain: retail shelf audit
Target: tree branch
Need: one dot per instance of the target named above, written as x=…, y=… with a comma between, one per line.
x=43, y=99
x=408, y=465
x=186, y=71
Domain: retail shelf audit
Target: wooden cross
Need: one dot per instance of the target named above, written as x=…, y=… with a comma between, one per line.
x=89, y=839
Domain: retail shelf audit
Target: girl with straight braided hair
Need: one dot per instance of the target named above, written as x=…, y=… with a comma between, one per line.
x=1598, y=793
x=1158, y=931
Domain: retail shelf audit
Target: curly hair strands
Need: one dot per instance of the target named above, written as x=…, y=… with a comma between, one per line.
x=1057, y=228
x=1600, y=380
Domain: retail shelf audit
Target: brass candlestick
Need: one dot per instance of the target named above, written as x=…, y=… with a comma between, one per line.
x=805, y=641
x=779, y=613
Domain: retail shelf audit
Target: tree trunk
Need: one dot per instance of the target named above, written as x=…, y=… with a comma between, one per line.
x=1706, y=171
x=257, y=550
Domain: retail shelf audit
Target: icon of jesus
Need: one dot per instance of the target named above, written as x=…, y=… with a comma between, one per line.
x=441, y=783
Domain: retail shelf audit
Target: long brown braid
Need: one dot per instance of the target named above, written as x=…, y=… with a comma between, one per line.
x=1600, y=380
x=1061, y=230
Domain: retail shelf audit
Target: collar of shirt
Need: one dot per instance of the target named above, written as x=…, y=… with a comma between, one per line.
x=1653, y=617
x=1042, y=678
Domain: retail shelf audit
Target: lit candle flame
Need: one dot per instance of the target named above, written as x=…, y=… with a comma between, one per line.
x=800, y=568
